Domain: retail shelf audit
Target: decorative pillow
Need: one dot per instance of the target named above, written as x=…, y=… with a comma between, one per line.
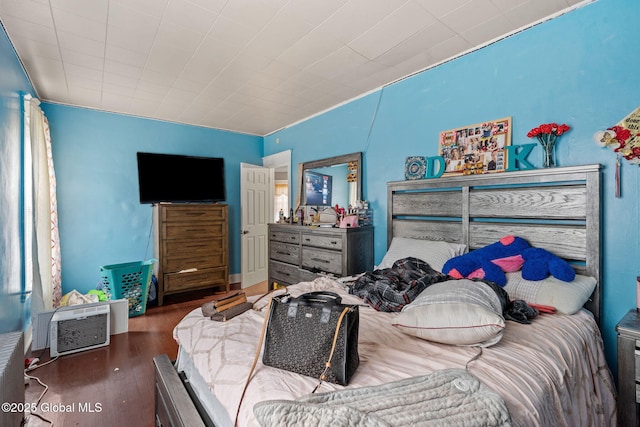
x=566, y=297
x=434, y=253
x=459, y=312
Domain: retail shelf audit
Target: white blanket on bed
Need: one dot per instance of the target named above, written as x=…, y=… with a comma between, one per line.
x=450, y=397
x=550, y=373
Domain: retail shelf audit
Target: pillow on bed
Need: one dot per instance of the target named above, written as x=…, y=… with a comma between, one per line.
x=459, y=312
x=566, y=297
x=434, y=253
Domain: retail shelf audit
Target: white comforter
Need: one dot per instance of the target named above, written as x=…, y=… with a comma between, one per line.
x=550, y=373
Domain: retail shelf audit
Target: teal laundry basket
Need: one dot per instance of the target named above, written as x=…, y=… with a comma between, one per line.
x=129, y=280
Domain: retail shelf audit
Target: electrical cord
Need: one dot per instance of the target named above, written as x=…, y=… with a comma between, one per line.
x=30, y=368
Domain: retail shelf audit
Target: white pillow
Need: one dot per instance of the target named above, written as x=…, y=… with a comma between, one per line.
x=435, y=253
x=566, y=297
x=459, y=312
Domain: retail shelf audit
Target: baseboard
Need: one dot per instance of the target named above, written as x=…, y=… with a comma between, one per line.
x=235, y=278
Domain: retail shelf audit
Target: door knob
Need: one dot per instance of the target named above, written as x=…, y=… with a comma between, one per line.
x=244, y=232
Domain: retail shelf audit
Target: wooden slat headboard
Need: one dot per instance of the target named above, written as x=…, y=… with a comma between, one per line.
x=557, y=209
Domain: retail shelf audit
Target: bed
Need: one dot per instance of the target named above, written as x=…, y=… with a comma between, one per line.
x=551, y=372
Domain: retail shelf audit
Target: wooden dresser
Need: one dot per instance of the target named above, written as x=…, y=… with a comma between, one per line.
x=299, y=253
x=192, y=247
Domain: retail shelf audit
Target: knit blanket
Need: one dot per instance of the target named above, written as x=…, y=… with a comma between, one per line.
x=390, y=289
x=449, y=397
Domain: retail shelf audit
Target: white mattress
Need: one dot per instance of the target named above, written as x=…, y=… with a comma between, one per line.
x=550, y=373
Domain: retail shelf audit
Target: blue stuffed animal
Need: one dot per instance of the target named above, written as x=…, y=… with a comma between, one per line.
x=509, y=254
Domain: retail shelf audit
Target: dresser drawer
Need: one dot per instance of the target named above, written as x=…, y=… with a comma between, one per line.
x=192, y=213
x=283, y=236
x=319, y=241
x=195, y=279
x=323, y=260
x=288, y=274
x=181, y=248
x=283, y=272
x=203, y=230
x=285, y=253
x=190, y=261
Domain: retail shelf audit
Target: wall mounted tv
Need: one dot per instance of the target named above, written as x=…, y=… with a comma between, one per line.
x=318, y=188
x=180, y=179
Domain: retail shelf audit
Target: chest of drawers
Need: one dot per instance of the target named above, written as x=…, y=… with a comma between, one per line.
x=301, y=253
x=191, y=245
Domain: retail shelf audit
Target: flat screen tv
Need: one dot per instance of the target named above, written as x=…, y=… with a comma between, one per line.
x=318, y=188
x=180, y=179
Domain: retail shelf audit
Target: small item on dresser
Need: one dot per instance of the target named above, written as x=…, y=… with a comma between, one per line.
x=314, y=335
x=349, y=221
x=232, y=312
x=221, y=304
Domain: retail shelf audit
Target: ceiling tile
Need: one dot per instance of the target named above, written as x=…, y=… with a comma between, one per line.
x=314, y=12
x=82, y=59
x=19, y=28
x=95, y=10
x=124, y=56
x=358, y=16
x=470, y=15
x=28, y=10
x=189, y=15
x=488, y=30
x=392, y=30
x=154, y=8
x=73, y=24
x=336, y=63
x=449, y=48
x=440, y=8
x=317, y=44
x=420, y=42
x=253, y=13
x=80, y=44
x=119, y=80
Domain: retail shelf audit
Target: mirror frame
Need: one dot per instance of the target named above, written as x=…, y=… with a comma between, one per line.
x=329, y=161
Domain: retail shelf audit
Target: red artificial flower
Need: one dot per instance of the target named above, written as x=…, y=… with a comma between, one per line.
x=548, y=129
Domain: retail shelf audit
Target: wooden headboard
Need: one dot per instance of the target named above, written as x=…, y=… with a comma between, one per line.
x=557, y=209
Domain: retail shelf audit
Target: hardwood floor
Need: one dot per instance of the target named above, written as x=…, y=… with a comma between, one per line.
x=114, y=385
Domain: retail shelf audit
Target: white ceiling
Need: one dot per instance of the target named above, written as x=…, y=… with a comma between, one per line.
x=250, y=66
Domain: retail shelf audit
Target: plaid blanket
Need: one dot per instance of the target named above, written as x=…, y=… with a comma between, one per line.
x=390, y=289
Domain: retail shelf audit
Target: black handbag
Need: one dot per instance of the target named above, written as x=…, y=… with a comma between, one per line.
x=314, y=335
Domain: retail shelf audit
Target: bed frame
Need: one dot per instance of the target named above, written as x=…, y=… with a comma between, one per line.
x=557, y=209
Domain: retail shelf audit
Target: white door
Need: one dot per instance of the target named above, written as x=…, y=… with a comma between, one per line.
x=255, y=206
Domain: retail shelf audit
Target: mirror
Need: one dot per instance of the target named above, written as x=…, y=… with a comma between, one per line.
x=331, y=181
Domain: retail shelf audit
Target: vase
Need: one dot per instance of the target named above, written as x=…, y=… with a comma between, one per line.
x=548, y=142
x=548, y=155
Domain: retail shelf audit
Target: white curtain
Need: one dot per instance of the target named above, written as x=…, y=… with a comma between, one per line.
x=47, y=283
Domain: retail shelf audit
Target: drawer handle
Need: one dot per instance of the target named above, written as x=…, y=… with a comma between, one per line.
x=320, y=260
x=293, y=237
x=307, y=240
x=283, y=273
x=283, y=253
x=196, y=246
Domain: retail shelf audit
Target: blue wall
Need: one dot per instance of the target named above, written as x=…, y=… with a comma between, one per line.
x=101, y=219
x=580, y=69
x=14, y=297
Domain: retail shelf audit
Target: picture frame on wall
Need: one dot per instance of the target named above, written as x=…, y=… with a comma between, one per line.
x=476, y=149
